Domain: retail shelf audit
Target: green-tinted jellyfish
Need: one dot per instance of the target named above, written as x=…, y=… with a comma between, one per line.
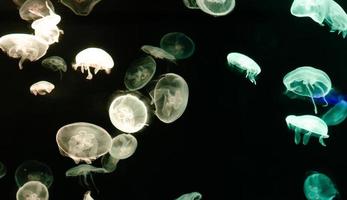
x=336, y=18
x=244, y=63
x=32, y=190
x=35, y=9
x=216, y=7
x=55, y=63
x=33, y=170
x=178, y=44
x=191, y=4
x=140, y=72
x=308, y=82
x=307, y=125
x=3, y=170
x=336, y=115
x=190, y=196
x=318, y=186
x=158, y=53
x=80, y=7
x=84, y=172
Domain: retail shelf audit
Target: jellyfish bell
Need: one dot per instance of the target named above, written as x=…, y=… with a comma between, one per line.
x=336, y=115
x=18, y=3
x=34, y=9
x=33, y=170
x=158, y=53
x=178, y=44
x=319, y=186
x=123, y=146
x=317, y=10
x=216, y=7
x=55, y=63
x=32, y=190
x=80, y=7
x=41, y=88
x=190, y=196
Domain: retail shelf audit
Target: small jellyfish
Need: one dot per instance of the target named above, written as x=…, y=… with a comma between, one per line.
x=318, y=186
x=80, y=7
x=93, y=58
x=3, y=170
x=83, y=141
x=336, y=115
x=23, y=46
x=158, y=53
x=55, y=63
x=128, y=113
x=32, y=170
x=178, y=44
x=32, y=190
x=123, y=146
x=191, y=4
x=309, y=82
x=140, y=73
x=87, y=196
x=216, y=7
x=34, y=9
x=244, y=63
x=190, y=196
x=41, y=88
x=308, y=125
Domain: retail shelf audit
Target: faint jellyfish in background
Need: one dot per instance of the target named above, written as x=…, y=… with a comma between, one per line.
x=178, y=44
x=33, y=170
x=41, y=88
x=140, y=72
x=308, y=82
x=23, y=46
x=307, y=125
x=32, y=190
x=191, y=4
x=3, y=170
x=318, y=186
x=336, y=115
x=34, y=9
x=170, y=97
x=244, y=63
x=216, y=7
x=83, y=141
x=19, y=3
x=56, y=64
x=158, y=53
x=87, y=196
x=93, y=58
x=190, y=196
x=80, y=7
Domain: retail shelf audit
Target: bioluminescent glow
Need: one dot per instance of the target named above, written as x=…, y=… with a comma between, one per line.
x=318, y=186
x=216, y=7
x=336, y=115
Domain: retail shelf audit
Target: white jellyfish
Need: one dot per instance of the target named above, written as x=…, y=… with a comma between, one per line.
x=41, y=88
x=87, y=196
x=35, y=9
x=158, y=53
x=32, y=190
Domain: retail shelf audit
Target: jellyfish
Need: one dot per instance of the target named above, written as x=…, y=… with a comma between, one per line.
x=109, y=163
x=178, y=44
x=216, y=7
x=95, y=58
x=82, y=141
x=191, y=4
x=41, y=88
x=190, y=196
x=18, y=3
x=33, y=170
x=87, y=196
x=309, y=82
x=140, y=73
x=3, y=170
x=80, y=7
x=244, y=63
x=336, y=115
x=336, y=18
x=23, y=46
x=128, y=113
x=55, y=63
x=34, y=9
x=308, y=125
x=158, y=53
x=32, y=190
x=318, y=186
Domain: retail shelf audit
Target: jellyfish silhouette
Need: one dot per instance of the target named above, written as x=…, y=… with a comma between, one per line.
x=32, y=10
x=178, y=44
x=216, y=7
x=56, y=64
x=41, y=88
x=33, y=170
x=158, y=53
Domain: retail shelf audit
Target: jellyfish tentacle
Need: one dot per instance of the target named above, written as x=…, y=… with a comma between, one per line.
x=306, y=138
x=90, y=75
x=312, y=99
x=321, y=141
x=20, y=63
x=297, y=137
x=93, y=183
x=323, y=96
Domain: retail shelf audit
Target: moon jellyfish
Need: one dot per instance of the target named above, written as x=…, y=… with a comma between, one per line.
x=83, y=141
x=18, y=3
x=158, y=53
x=87, y=196
x=216, y=7
x=128, y=113
x=140, y=73
x=32, y=190
x=93, y=58
x=336, y=115
x=336, y=18
x=55, y=63
x=318, y=186
x=191, y=4
x=35, y=9
x=244, y=63
x=170, y=97
x=3, y=170
x=190, y=196
x=123, y=146
x=33, y=170
x=178, y=44
x=309, y=82
x=23, y=46
x=80, y=7
x=41, y=88
x=308, y=125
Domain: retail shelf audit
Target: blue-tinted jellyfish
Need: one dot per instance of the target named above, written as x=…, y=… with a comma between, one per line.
x=307, y=125
x=318, y=186
x=158, y=53
x=3, y=170
x=178, y=44
x=336, y=115
x=55, y=63
x=308, y=82
x=190, y=196
x=244, y=63
x=33, y=170
x=32, y=190
x=80, y=7
x=216, y=7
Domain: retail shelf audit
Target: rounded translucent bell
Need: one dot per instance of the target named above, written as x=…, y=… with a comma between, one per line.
x=33, y=170
x=32, y=190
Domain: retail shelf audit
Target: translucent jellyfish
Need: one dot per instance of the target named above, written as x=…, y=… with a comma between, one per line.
x=190, y=196
x=35, y=9
x=87, y=196
x=123, y=146
x=178, y=44
x=128, y=113
x=83, y=141
x=33, y=170
x=80, y=7
x=109, y=163
x=93, y=58
x=336, y=18
x=56, y=64
x=309, y=82
x=23, y=46
x=308, y=125
x=191, y=4
x=244, y=63
x=140, y=73
x=170, y=97
x=318, y=186
x=18, y=3
x=41, y=88
x=216, y=7
x=33, y=190
x=158, y=53
x=3, y=170
x=336, y=115
x=85, y=171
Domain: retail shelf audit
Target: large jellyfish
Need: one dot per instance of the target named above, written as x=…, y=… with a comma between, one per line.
x=80, y=7
x=41, y=88
x=35, y=9
x=309, y=82
x=56, y=64
x=318, y=186
x=158, y=53
x=23, y=46
x=3, y=170
x=32, y=190
x=85, y=171
x=336, y=115
x=82, y=141
x=33, y=170
x=216, y=7
x=178, y=44
x=93, y=58
x=308, y=125
x=190, y=196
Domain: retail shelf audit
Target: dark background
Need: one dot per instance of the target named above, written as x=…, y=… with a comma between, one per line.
x=232, y=142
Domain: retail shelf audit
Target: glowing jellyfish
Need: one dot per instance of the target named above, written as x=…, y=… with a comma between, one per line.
x=308, y=125
x=93, y=58
x=318, y=186
x=244, y=63
x=336, y=115
x=216, y=7
x=190, y=196
x=178, y=44
x=80, y=7
x=123, y=146
x=83, y=141
x=23, y=46
x=85, y=171
x=191, y=4
x=3, y=170
x=336, y=18
x=41, y=88
x=35, y=9
x=33, y=190
x=140, y=73
x=87, y=196
x=309, y=82
x=33, y=170
x=158, y=53
x=55, y=63
x=128, y=113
